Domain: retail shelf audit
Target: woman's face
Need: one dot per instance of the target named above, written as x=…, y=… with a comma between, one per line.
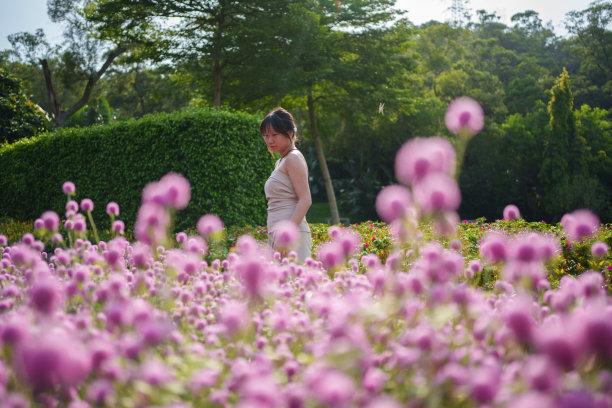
x=276, y=141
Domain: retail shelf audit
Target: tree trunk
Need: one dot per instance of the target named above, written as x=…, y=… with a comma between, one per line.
x=60, y=116
x=217, y=84
x=329, y=188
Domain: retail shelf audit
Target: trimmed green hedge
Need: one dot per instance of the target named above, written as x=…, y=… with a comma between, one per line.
x=219, y=152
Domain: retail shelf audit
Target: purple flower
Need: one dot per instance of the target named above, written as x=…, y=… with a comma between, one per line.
x=234, y=317
x=332, y=388
x=484, y=384
x=50, y=220
x=493, y=247
x=285, y=233
x=112, y=208
x=101, y=392
x=393, y=202
x=420, y=157
x=437, y=192
x=511, y=212
x=209, y=224
x=39, y=224
x=87, y=205
x=45, y=295
x=464, y=114
x=541, y=373
x=580, y=224
x=598, y=249
x=172, y=190
x=151, y=224
x=118, y=226
x=252, y=271
x=518, y=316
x=68, y=188
x=3, y=240
x=155, y=373
x=331, y=254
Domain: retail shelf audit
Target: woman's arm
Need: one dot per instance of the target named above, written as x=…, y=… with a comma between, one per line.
x=298, y=174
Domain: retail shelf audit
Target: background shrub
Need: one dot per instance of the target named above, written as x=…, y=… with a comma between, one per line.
x=219, y=152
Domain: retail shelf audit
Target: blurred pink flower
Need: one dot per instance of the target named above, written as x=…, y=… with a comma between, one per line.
x=87, y=204
x=172, y=190
x=209, y=224
x=599, y=249
x=285, y=233
x=511, y=212
x=151, y=223
x=392, y=202
x=437, y=192
x=68, y=188
x=50, y=220
x=580, y=224
x=419, y=157
x=493, y=247
x=112, y=208
x=464, y=114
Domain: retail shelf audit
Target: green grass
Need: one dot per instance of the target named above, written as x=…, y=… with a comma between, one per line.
x=319, y=213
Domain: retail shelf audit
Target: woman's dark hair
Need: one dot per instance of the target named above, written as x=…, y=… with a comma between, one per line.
x=281, y=121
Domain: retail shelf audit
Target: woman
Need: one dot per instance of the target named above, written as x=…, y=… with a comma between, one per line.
x=287, y=189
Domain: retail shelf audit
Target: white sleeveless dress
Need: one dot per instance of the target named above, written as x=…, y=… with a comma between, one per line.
x=282, y=201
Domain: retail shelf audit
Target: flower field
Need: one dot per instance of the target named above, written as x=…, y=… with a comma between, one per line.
x=421, y=311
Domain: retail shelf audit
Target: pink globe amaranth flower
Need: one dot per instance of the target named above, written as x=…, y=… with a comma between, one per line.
x=350, y=241
x=196, y=244
x=87, y=205
x=3, y=240
x=260, y=391
x=234, y=316
x=118, y=226
x=373, y=380
x=541, y=373
x=580, y=224
x=437, y=192
x=599, y=249
x=333, y=388
x=141, y=255
x=79, y=225
x=172, y=190
x=392, y=202
x=112, y=208
x=28, y=239
x=285, y=233
x=39, y=224
x=68, y=188
x=533, y=399
x=246, y=244
x=208, y=225
x=519, y=317
x=50, y=220
x=151, y=223
x=511, y=212
x=181, y=237
x=45, y=294
x=484, y=384
x=205, y=378
x=420, y=157
x=252, y=270
x=331, y=254
x=464, y=114
x=101, y=392
x=72, y=206
x=493, y=247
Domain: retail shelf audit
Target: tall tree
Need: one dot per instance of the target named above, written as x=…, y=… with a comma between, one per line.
x=591, y=44
x=85, y=57
x=19, y=116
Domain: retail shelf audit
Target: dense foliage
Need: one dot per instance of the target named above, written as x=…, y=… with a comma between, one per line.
x=19, y=116
x=220, y=152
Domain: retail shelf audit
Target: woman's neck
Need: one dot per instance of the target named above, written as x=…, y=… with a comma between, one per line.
x=286, y=152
